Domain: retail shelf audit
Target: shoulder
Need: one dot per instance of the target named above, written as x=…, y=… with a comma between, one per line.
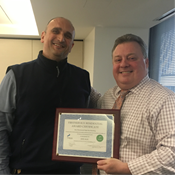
x=78, y=70
x=76, y=67
x=155, y=95
x=9, y=79
x=154, y=88
x=112, y=92
x=108, y=99
x=20, y=66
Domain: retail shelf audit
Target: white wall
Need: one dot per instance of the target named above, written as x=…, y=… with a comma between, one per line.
x=12, y=51
x=76, y=55
x=16, y=51
x=102, y=67
x=89, y=44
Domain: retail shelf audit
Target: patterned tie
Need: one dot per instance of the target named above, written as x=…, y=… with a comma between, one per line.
x=119, y=101
x=117, y=105
x=94, y=169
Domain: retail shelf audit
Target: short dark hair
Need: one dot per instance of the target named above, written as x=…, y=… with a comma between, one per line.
x=131, y=38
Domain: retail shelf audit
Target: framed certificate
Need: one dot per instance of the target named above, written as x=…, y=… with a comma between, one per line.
x=86, y=135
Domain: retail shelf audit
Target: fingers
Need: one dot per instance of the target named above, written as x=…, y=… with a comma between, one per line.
x=101, y=162
x=101, y=167
x=113, y=166
x=108, y=165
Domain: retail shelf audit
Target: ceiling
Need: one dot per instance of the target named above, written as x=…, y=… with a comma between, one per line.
x=87, y=14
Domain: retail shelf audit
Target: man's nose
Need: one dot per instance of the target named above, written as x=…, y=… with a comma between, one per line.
x=124, y=63
x=60, y=37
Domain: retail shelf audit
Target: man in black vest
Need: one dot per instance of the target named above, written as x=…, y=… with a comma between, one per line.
x=30, y=93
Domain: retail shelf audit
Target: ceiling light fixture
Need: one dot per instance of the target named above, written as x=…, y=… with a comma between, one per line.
x=166, y=15
x=5, y=13
x=17, y=18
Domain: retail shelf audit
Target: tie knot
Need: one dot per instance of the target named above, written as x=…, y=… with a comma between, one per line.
x=119, y=101
x=123, y=93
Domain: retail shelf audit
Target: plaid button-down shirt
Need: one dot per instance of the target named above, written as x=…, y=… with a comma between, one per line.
x=147, y=127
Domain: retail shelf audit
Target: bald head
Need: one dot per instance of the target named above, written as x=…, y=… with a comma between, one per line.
x=58, y=38
x=64, y=19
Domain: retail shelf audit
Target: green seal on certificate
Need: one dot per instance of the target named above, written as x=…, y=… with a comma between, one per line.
x=86, y=135
x=99, y=138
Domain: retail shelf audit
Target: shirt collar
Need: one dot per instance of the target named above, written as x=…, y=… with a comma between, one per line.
x=138, y=88
x=50, y=65
x=135, y=89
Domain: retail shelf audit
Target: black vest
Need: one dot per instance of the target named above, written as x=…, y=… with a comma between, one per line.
x=42, y=86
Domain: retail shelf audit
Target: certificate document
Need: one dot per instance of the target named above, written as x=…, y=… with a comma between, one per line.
x=84, y=135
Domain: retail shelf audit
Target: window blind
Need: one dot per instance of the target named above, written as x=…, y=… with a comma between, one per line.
x=162, y=53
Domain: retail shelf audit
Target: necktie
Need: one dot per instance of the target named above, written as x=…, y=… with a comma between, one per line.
x=117, y=105
x=94, y=169
x=119, y=101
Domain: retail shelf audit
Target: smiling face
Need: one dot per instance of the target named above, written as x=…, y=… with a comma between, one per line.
x=58, y=39
x=129, y=65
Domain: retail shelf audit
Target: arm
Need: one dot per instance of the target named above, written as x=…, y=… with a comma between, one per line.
x=94, y=97
x=4, y=145
x=7, y=106
x=162, y=159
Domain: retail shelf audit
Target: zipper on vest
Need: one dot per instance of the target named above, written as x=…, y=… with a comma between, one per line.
x=58, y=71
x=22, y=147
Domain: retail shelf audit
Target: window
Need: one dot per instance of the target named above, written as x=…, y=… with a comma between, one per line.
x=162, y=53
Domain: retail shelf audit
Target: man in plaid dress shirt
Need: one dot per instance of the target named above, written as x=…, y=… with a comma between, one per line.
x=147, y=116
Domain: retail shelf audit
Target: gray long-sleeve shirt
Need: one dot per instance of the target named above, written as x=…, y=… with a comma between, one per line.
x=7, y=106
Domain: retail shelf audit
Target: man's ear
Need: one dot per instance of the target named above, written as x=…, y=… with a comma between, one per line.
x=71, y=47
x=147, y=63
x=72, y=44
x=42, y=36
